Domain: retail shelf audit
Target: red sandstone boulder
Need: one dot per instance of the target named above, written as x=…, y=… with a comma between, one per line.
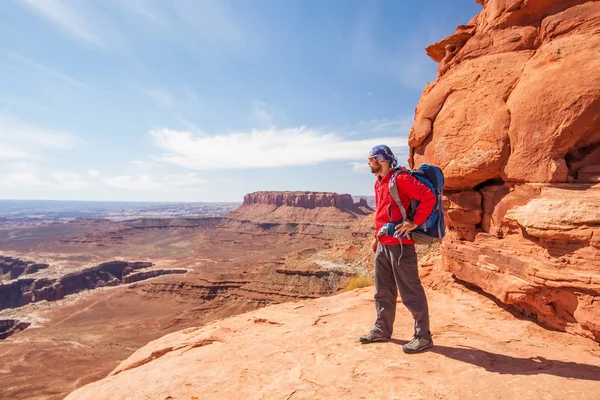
x=514, y=121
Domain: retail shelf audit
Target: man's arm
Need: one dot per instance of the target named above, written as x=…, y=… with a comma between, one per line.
x=375, y=238
x=418, y=191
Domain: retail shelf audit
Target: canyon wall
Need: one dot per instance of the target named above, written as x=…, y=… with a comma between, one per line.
x=22, y=291
x=11, y=268
x=513, y=119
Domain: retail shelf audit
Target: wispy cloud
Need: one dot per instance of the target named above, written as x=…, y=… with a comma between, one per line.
x=19, y=140
x=261, y=115
x=108, y=24
x=263, y=148
x=70, y=181
x=360, y=167
x=66, y=16
x=151, y=10
x=22, y=64
x=10, y=152
x=405, y=64
x=162, y=98
x=211, y=20
x=148, y=182
x=399, y=125
x=27, y=177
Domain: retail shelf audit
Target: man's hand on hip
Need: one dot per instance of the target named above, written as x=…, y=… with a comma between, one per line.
x=374, y=245
x=405, y=227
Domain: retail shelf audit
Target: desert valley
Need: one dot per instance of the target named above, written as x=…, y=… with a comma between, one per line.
x=210, y=267
x=265, y=299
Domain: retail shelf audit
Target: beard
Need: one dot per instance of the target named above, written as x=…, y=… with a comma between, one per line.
x=375, y=168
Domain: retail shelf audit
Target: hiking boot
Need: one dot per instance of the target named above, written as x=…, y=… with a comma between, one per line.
x=373, y=336
x=417, y=344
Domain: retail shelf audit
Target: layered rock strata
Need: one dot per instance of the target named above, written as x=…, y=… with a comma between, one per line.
x=11, y=267
x=23, y=291
x=514, y=121
x=301, y=199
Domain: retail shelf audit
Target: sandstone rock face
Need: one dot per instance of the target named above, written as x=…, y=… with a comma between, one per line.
x=309, y=350
x=514, y=121
x=300, y=199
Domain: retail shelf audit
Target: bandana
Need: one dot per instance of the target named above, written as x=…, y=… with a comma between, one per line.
x=382, y=153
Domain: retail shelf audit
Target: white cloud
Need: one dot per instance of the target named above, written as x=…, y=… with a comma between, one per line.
x=64, y=15
x=264, y=148
x=162, y=98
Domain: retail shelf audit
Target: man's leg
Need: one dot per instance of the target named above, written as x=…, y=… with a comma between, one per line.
x=411, y=290
x=386, y=294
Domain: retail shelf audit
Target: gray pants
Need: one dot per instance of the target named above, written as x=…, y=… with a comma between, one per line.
x=396, y=270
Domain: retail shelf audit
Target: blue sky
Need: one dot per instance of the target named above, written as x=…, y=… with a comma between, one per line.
x=191, y=100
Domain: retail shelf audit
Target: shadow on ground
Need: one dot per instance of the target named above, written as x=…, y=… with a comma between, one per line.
x=504, y=364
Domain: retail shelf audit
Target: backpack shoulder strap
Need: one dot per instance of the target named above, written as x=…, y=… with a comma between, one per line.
x=394, y=191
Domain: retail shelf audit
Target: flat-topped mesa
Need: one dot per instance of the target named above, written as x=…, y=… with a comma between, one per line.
x=300, y=199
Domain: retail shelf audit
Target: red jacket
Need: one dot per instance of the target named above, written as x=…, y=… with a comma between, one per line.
x=408, y=188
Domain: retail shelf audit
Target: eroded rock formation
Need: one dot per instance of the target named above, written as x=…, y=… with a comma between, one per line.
x=11, y=267
x=514, y=121
x=11, y=326
x=23, y=291
x=300, y=199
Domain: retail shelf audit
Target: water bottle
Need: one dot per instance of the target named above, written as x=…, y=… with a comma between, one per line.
x=388, y=229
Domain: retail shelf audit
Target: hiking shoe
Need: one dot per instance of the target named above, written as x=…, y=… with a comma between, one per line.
x=372, y=337
x=417, y=344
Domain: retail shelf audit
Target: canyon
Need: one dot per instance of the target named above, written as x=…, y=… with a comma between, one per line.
x=251, y=303
x=78, y=297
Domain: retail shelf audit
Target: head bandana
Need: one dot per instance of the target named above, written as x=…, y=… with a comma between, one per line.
x=382, y=153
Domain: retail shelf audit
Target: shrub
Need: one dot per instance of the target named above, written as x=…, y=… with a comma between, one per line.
x=359, y=282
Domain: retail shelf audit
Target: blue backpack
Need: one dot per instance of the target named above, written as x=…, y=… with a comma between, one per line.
x=432, y=230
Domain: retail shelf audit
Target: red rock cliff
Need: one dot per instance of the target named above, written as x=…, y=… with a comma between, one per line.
x=300, y=199
x=514, y=121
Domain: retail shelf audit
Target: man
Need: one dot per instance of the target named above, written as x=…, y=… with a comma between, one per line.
x=396, y=259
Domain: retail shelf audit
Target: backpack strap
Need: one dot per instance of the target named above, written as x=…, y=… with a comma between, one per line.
x=394, y=193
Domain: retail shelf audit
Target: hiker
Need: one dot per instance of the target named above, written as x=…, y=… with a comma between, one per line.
x=396, y=259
